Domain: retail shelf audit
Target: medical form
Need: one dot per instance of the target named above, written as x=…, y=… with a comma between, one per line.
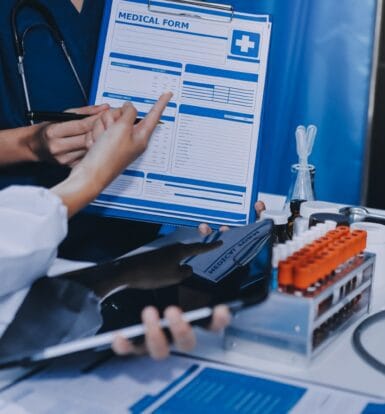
x=201, y=163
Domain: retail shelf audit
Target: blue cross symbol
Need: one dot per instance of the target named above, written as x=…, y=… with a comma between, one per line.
x=245, y=44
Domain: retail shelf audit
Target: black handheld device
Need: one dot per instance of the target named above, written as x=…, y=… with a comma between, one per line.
x=236, y=273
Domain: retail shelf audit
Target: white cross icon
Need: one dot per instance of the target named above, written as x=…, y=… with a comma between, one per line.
x=245, y=44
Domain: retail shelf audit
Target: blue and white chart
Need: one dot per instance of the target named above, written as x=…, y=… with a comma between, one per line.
x=173, y=386
x=201, y=164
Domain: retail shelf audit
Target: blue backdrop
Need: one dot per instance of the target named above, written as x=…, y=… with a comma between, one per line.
x=319, y=72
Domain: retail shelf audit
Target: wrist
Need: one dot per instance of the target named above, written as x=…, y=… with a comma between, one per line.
x=84, y=179
x=76, y=191
x=29, y=142
x=19, y=145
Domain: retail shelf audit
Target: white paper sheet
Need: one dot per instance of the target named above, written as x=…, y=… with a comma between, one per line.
x=200, y=164
x=178, y=384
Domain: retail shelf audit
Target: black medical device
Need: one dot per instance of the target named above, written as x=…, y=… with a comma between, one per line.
x=236, y=273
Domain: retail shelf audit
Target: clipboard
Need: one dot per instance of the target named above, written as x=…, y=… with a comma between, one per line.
x=223, y=88
x=227, y=9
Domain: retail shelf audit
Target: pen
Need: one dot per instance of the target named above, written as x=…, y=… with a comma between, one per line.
x=42, y=116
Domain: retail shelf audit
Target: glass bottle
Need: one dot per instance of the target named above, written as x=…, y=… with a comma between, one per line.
x=301, y=189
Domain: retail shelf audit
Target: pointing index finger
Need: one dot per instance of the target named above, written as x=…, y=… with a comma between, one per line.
x=153, y=117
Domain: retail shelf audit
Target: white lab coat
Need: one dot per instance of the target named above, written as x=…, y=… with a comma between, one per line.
x=33, y=222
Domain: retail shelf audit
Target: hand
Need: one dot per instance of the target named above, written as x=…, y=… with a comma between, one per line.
x=119, y=143
x=205, y=229
x=156, y=343
x=65, y=142
x=161, y=267
x=151, y=270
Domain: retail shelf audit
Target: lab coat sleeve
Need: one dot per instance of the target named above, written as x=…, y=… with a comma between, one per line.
x=33, y=222
x=54, y=311
x=37, y=311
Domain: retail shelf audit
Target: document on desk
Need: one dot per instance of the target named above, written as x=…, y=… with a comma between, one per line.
x=176, y=385
x=202, y=161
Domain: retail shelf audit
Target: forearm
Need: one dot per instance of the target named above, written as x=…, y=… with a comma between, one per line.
x=149, y=270
x=18, y=145
x=105, y=278
x=77, y=191
x=100, y=286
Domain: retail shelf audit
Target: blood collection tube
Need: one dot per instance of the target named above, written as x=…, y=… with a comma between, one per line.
x=285, y=275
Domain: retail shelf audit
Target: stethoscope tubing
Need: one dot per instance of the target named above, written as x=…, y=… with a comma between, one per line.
x=18, y=40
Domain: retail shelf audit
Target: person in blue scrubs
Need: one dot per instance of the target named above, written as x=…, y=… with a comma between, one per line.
x=52, y=87
x=51, y=83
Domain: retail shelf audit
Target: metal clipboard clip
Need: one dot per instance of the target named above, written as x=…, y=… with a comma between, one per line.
x=192, y=8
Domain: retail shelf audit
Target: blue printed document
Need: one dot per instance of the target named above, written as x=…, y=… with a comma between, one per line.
x=173, y=386
x=202, y=161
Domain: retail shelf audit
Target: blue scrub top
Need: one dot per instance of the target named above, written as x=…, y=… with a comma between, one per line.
x=51, y=83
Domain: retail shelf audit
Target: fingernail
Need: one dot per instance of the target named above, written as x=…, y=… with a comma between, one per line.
x=150, y=315
x=173, y=314
x=204, y=228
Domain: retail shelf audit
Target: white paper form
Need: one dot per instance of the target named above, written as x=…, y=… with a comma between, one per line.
x=212, y=388
x=79, y=386
x=176, y=385
x=201, y=162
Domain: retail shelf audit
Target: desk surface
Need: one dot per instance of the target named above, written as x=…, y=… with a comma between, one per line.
x=338, y=365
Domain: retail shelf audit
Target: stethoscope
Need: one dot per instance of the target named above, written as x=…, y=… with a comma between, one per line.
x=356, y=214
x=19, y=39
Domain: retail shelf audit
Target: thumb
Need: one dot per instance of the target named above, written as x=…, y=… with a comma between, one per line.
x=129, y=114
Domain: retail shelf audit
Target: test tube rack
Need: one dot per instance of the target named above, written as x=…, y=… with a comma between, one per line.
x=323, y=289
